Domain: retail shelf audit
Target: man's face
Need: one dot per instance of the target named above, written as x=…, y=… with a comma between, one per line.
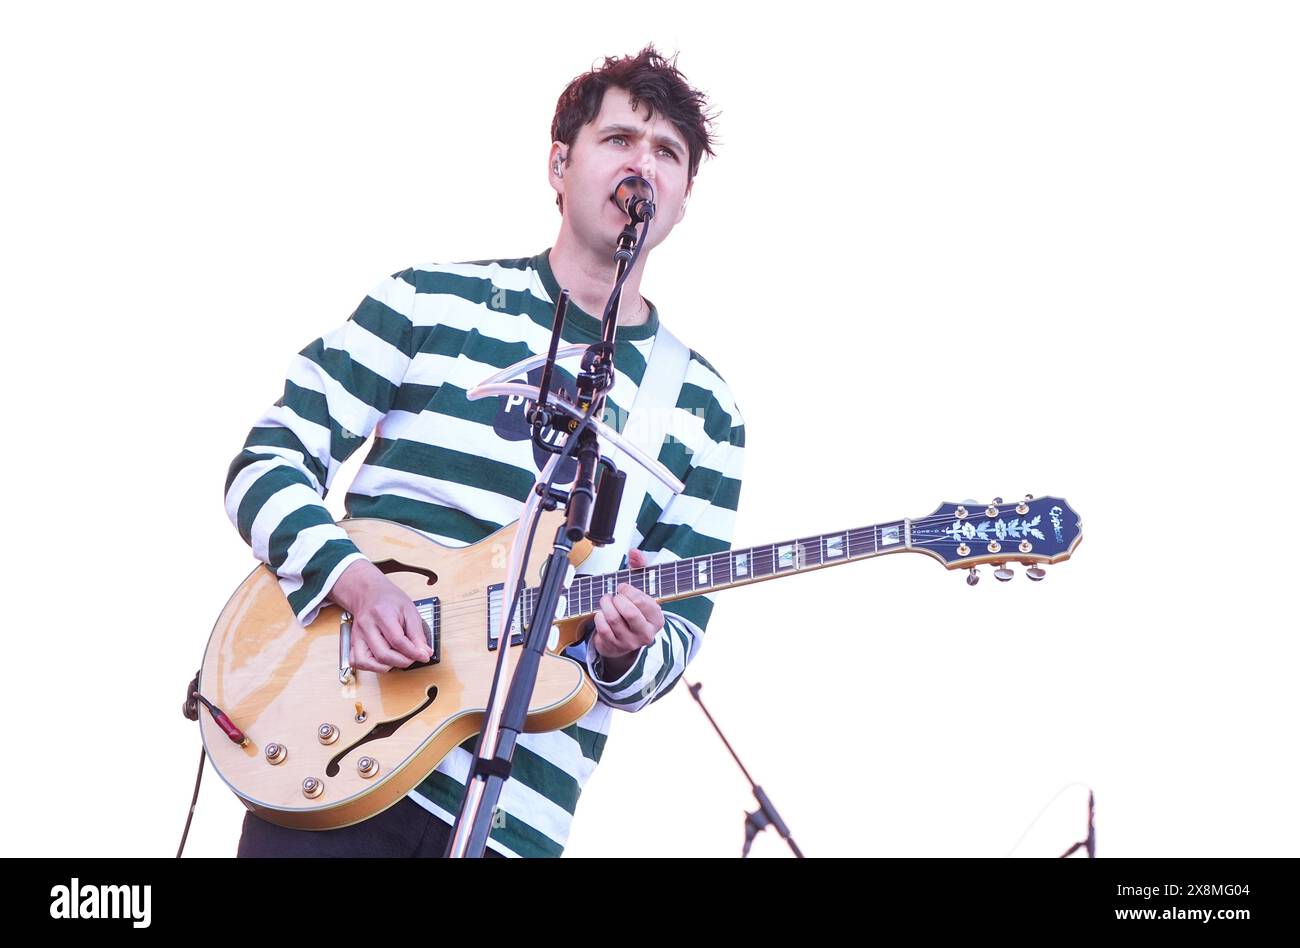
x=618, y=143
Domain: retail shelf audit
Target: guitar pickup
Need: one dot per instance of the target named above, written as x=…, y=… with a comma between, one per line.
x=495, y=598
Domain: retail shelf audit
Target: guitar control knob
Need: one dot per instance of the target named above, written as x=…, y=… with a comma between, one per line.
x=1035, y=573
x=367, y=767
x=327, y=733
x=1003, y=574
x=361, y=713
x=275, y=753
x=973, y=577
x=312, y=788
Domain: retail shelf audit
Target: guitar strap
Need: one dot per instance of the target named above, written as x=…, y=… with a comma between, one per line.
x=647, y=425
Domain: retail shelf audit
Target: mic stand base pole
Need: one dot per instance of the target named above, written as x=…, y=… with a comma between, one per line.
x=493, y=771
x=487, y=742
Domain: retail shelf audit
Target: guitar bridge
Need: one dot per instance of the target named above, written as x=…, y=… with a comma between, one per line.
x=430, y=611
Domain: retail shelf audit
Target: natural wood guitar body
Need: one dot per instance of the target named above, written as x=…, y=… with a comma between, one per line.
x=279, y=682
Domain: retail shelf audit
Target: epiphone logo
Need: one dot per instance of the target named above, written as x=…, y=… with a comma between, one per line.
x=1055, y=514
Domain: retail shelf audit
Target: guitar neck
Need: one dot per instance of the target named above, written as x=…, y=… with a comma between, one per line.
x=666, y=582
x=1034, y=532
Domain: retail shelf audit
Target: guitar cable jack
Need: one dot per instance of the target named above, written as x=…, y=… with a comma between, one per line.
x=227, y=726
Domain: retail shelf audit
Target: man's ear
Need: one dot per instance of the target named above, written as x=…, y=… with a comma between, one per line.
x=555, y=162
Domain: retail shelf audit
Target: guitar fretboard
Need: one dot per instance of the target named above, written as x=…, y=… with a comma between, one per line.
x=699, y=574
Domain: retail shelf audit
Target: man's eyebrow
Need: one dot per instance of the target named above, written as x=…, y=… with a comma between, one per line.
x=632, y=130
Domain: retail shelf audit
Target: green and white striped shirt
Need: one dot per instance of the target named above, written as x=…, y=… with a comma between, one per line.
x=457, y=470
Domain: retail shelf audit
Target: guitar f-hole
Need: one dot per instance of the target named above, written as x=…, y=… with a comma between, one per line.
x=397, y=566
x=378, y=733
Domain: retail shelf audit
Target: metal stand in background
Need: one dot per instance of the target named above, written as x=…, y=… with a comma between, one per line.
x=1089, y=842
x=766, y=814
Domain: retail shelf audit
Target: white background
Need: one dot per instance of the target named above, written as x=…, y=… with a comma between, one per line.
x=946, y=251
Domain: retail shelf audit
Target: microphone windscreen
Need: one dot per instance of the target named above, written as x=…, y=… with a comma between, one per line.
x=630, y=187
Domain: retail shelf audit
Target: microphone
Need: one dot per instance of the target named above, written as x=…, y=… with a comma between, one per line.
x=635, y=197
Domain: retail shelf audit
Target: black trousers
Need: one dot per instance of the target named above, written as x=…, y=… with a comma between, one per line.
x=404, y=830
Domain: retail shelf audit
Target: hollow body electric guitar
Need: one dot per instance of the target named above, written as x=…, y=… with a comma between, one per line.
x=305, y=741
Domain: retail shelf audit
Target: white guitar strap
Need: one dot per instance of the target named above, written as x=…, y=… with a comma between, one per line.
x=647, y=425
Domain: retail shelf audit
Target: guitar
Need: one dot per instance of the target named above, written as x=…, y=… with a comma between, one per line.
x=307, y=742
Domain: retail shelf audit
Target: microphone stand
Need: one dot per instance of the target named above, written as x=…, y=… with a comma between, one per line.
x=1089, y=842
x=504, y=719
x=766, y=814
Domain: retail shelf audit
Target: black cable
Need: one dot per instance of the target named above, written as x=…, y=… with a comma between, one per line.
x=193, y=802
x=617, y=292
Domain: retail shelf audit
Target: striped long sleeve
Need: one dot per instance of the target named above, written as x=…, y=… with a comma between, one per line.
x=699, y=520
x=337, y=391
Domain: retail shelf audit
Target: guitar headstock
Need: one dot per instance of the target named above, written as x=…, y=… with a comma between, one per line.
x=1033, y=531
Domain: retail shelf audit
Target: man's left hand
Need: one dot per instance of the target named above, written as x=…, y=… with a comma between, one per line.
x=626, y=622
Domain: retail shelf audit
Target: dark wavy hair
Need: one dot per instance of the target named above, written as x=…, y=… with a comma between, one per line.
x=649, y=79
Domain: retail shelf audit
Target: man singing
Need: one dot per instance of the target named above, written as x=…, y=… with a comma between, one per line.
x=458, y=470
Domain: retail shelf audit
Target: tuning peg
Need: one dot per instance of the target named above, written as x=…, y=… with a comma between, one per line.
x=997, y=501
x=972, y=577
x=1035, y=573
x=1003, y=573
x=1029, y=496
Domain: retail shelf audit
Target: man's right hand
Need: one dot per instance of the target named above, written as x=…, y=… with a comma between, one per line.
x=387, y=631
